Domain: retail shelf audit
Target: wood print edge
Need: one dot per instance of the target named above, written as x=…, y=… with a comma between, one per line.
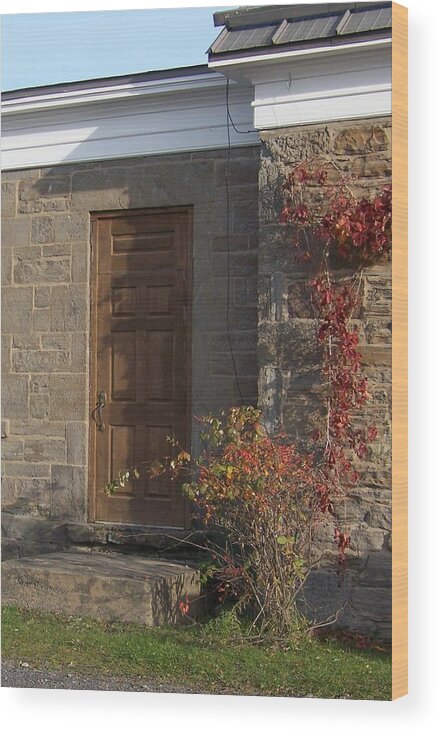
x=399, y=353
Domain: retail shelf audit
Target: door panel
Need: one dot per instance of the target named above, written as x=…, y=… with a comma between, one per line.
x=141, y=360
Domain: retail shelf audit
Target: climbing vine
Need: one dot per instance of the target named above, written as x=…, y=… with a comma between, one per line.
x=265, y=494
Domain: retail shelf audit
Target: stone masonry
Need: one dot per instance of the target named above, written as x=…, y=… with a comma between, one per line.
x=289, y=365
x=45, y=307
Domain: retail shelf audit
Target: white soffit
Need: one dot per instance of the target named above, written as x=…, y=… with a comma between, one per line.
x=134, y=119
x=317, y=85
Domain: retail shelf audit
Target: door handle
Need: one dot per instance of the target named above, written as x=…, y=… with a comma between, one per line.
x=97, y=412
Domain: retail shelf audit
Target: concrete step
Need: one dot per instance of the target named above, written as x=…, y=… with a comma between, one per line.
x=110, y=586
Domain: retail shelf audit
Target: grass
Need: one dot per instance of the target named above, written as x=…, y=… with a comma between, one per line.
x=197, y=659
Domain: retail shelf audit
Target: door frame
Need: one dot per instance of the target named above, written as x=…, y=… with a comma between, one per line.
x=95, y=217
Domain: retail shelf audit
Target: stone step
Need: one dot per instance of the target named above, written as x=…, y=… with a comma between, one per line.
x=110, y=586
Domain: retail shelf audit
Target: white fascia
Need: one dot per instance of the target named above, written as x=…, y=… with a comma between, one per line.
x=106, y=93
x=315, y=85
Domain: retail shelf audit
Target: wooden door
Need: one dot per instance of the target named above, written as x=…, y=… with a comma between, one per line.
x=140, y=359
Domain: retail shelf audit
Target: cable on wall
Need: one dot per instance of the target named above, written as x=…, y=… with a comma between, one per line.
x=230, y=122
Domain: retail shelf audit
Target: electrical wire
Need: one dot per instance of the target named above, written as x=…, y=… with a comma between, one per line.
x=229, y=335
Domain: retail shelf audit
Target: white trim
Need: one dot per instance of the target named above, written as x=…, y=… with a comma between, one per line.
x=265, y=58
x=105, y=93
x=317, y=85
x=101, y=123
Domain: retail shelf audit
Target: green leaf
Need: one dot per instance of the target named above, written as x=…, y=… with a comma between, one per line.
x=282, y=540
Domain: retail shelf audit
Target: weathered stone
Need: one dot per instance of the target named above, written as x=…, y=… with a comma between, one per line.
x=15, y=232
x=42, y=230
x=44, y=449
x=30, y=341
x=41, y=320
x=111, y=587
x=32, y=427
x=5, y=428
x=79, y=352
x=39, y=384
x=8, y=495
x=9, y=199
x=72, y=227
x=68, y=397
x=80, y=263
x=68, y=494
x=69, y=308
x=42, y=271
x=42, y=297
x=57, y=250
x=26, y=469
x=6, y=354
x=27, y=254
x=361, y=138
x=240, y=171
x=39, y=406
x=28, y=191
x=77, y=443
x=30, y=207
x=49, y=186
x=12, y=448
x=106, y=186
x=17, y=309
x=15, y=396
x=6, y=267
x=43, y=361
x=57, y=341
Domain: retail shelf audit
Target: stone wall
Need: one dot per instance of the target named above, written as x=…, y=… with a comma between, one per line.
x=45, y=323
x=289, y=365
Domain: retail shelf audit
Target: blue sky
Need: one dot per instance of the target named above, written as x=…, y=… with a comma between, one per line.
x=47, y=48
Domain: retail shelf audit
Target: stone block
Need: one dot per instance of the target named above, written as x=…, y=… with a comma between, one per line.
x=69, y=308
x=6, y=267
x=28, y=191
x=57, y=341
x=99, y=189
x=42, y=270
x=33, y=489
x=5, y=428
x=26, y=469
x=37, y=428
x=377, y=296
x=41, y=297
x=241, y=171
x=41, y=320
x=73, y=227
x=42, y=231
x=106, y=586
x=30, y=207
x=68, y=397
x=361, y=138
x=79, y=353
x=27, y=254
x=9, y=199
x=68, y=493
x=6, y=354
x=26, y=341
x=42, y=361
x=44, y=449
x=80, y=262
x=17, y=309
x=77, y=443
x=53, y=186
x=8, y=495
x=12, y=448
x=15, y=396
x=15, y=232
x=57, y=250
x=39, y=406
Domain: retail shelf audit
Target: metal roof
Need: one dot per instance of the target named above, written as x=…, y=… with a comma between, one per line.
x=267, y=28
